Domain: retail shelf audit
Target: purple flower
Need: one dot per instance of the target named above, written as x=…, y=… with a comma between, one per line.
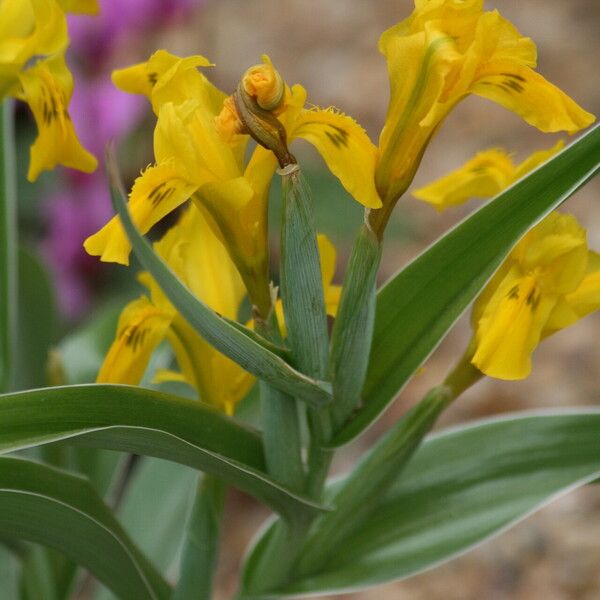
x=96, y=37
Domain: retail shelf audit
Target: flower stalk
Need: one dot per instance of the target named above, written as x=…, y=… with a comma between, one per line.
x=8, y=248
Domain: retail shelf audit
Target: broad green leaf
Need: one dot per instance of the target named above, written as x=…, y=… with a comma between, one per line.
x=8, y=248
x=240, y=344
x=51, y=507
x=462, y=487
x=201, y=550
x=417, y=307
x=132, y=419
x=154, y=509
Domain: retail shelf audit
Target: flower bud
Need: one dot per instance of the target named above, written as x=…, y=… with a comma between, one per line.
x=265, y=85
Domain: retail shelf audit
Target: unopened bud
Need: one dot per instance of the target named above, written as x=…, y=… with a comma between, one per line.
x=265, y=85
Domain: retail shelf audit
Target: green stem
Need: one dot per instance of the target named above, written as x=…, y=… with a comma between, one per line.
x=200, y=553
x=371, y=478
x=8, y=249
x=353, y=327
x=281, y=425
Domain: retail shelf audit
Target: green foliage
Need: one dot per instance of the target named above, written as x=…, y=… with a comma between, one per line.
x=462, y=486
x=52, y=507
x=132, y=419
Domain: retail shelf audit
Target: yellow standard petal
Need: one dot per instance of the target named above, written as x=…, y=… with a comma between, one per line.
x=140, y=329
x=165, y=77
x=47, y=87
x=155, y=193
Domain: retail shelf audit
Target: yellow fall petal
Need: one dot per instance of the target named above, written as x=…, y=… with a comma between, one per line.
x=155, y=193
x=345, y=147
x=510, y=328
x=140, y=329
x=536, y=100
x=47, y=87
x=484, y=176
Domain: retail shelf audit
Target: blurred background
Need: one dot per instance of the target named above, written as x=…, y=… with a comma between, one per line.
x=330, y=47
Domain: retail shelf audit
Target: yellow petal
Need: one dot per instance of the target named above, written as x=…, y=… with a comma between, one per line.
x=155, y=194
x=556, y=249
x=166, y=375
x=536, y=100
x=81, y=7
x=203, y=263
x=28, y=29
x=141, y=328
x=510, y=328
x=486, y=174
x=328, y=257
x=536, y=159
x=47, y=88
x=186, y=133
x=345, y=147
x=332, y=299
x=219, y=381
x=165, y=77
x=586, y=298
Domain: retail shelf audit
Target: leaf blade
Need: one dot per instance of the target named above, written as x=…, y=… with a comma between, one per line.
x=51, y=507
x=417, y=306
x=134, y=419
x=463, y=486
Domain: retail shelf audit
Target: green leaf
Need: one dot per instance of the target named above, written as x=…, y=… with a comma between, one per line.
x=132, y=419
x=8, y=248
x=37, y=323
x=462, y=487
x=51, y=507
x=353, y=327
x=8, y=574
x=231, y=340
x=153, y=511
x=417, y=307
x=201, y=550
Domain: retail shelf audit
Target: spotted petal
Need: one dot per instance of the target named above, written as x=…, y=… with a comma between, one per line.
x=155, y=193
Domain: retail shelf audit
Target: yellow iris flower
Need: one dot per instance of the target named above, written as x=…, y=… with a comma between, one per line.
x=33, y=41
x=483, y=176
x=200, y=154
x=549, y=281
x=200, y=260
x=446, y=50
